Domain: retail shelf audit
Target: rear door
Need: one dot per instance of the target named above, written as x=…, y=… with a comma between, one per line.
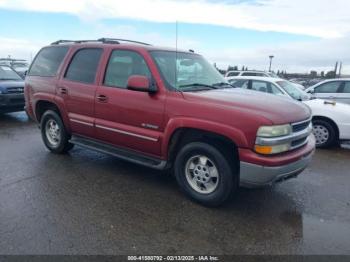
x=344, y=93
x=78, y=86
x=329, y=90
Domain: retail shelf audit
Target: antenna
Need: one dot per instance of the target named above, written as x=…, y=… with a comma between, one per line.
x=176, y=29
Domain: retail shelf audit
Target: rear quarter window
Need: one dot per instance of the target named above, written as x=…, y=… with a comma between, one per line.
x=48, y=61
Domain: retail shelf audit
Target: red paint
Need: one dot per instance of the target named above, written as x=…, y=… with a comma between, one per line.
x=233, y=114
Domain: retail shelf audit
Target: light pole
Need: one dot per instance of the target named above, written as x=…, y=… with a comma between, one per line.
x=271, y=57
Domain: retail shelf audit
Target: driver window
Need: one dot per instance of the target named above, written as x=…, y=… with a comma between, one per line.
x=121, y=65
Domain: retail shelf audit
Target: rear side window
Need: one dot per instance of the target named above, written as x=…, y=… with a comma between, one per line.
x=252, y=74
x=48, y=61
x=83, y=65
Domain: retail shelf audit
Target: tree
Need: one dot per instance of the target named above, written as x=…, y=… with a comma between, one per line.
x=243, y=68
x=330, y=74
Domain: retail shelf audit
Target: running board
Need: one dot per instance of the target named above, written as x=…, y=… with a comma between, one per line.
x=121, y=153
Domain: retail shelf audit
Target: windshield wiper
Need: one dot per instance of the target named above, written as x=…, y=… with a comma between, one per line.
x=199, y=85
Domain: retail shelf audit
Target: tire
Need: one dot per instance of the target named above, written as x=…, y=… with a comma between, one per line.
x=56, y=138
x=325, y=133
x=198, y=161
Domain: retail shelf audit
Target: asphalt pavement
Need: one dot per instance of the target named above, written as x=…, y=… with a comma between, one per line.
x=90, y=203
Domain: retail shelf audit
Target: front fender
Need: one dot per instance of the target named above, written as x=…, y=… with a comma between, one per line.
x=234, y=134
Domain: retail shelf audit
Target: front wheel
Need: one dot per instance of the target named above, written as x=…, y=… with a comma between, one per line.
x=54, y=134
x=324, y=133
x=204, y=174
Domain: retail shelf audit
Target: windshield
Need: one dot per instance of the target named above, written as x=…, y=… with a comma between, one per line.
x=294, y=91
x=188, y=72
x=6, y=73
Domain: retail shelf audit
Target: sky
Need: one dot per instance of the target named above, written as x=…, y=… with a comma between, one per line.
x=302, y=35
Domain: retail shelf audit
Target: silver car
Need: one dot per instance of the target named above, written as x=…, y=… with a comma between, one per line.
x=333, y=89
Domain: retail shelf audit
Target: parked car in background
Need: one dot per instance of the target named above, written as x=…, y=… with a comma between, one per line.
x=332, y=89
x=21, y=69
x=125, y=99
x=230, y=74
x=19, y=65
x=11, y=90
x=331, y=120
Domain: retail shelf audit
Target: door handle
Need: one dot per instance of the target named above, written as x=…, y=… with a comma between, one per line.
x=63, y=90
x=102, y=98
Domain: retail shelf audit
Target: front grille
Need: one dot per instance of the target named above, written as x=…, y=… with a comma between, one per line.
x=15, y=90
x=297, y=127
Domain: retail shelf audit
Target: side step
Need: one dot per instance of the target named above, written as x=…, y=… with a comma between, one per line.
x=124, y=154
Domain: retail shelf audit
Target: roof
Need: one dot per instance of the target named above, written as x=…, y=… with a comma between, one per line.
x=112, y=42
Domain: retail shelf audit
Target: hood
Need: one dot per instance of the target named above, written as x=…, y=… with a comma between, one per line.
x=10, y=84
x=277, y=109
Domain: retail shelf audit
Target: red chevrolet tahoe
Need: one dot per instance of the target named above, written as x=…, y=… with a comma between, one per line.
x=166, y=109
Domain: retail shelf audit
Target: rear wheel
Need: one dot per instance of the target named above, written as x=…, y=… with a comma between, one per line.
x=325, y=133
x=204, y=174
x=54, y=134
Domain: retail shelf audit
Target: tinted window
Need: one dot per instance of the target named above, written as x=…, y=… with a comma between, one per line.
x=48, y=61
x=346, y=87
x=84, y=65
x=252, y=74
x=330, y=87
x=122, y=64
x=233, y=74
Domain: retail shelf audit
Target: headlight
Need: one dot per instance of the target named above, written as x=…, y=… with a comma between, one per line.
x=267, y=134
x=274, y=131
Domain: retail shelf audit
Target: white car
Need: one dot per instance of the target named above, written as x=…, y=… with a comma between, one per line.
x=331, y=120
x=234, y=73
x=334, y=89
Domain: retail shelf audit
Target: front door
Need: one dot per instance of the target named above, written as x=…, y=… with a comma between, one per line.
x=126, y=118
x=328, y=90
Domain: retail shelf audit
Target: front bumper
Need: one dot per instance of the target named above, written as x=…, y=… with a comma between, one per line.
x=11, y=102
x=257, y=175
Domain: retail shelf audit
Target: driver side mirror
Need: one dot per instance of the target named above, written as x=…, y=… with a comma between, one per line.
x=140, y=83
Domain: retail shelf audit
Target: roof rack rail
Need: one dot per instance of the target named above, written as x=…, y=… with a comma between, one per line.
x=118, y=40
x=103, y=40
x=72, y=41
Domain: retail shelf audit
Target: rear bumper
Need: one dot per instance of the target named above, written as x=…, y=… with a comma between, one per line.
x=11, y=102
x=257, y=175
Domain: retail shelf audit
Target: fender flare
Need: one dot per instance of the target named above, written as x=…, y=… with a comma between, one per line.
x=232, y=133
